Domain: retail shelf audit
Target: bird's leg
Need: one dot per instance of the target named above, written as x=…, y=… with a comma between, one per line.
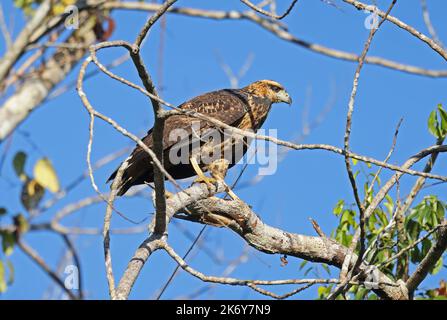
x=168, y=194
x=218, y=170
x=201, y=177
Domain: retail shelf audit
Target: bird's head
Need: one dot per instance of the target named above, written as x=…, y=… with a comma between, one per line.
x=269, y=89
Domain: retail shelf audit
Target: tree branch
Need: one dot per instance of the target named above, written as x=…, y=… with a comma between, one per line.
x=35, y=90
x=17, y=49
x=433, y=255
x=41, y=263
x=280, y=33
x=269, y=14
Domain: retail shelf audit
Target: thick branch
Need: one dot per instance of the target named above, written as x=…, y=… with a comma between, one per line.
x=173, y=204
x=17, y=49
x=433, y=255
x=35, y=90
x=242, y=220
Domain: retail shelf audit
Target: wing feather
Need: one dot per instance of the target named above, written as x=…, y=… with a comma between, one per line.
x=228, y=106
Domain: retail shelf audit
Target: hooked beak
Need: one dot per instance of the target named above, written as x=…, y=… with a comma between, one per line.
x=283, y=96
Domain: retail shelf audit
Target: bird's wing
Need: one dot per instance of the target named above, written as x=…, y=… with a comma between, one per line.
x=228, y=106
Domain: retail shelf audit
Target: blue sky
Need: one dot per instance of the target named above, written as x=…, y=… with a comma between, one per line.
x=306, y=184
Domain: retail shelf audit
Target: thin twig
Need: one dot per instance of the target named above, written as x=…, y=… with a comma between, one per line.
x=42, y=264
x=347, y=263
x=269, y=14
x=287, y=36
x=431, y=29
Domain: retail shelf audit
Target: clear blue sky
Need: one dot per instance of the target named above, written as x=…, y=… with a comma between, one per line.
x=307, y=183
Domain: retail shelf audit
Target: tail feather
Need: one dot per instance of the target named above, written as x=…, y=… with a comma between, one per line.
x=112, y=176
x=134, y=174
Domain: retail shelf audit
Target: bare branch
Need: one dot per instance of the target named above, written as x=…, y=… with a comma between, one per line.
x=269, y=14
x=294, y=146
x=429, y=25
x=242, y=220
x=42, y=264
x=74, y=253
x=36, y=89
x=280, y=33
x=5, y=30
x=180, y=200
x=419, y=35
x=17, y=49
x=344, y=271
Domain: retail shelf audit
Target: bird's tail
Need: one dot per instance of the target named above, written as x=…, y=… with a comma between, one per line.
x=124, y=184
x=132, y=175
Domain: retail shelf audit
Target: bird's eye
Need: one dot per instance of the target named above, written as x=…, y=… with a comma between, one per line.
x=276, y=89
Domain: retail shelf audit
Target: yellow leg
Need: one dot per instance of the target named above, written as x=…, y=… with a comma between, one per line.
x=200, y=175
x=218, y=170
x=231, y=193
x=168, y=194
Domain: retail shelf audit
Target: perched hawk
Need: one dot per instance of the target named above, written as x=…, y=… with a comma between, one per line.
x=187, y=140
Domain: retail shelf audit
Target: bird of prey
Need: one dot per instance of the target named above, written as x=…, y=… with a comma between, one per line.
x=245, y=108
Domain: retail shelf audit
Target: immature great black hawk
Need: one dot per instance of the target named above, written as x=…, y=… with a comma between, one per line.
x=245, y=108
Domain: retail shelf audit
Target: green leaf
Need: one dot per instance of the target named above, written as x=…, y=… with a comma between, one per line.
x=415, y=255
x=389, y=206
x=440, y=211
x=307, y=271
x=368, y=194
x=302, y=264
x=415, y=213
x=19, y=164
x=426, y=245
x=372, y=223
x=22, y=225
x=361, y=293
x=382, y=216
x=348, y=216
x=437, y=267
x=413, y=228
x=20, y=3
x=433, y=123
x=10, y=271
x=8, y=242
x=3, y=285
x=438, y=127
x=326, y=268
x=443, y=116
x=339, y=207
x=346, y=239
x=323, y=291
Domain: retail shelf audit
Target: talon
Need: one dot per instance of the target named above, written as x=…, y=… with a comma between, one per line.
x=232, y=194
x=210, y=182
x=168, y=195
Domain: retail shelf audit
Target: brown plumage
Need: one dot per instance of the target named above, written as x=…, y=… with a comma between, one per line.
x=245, y=108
